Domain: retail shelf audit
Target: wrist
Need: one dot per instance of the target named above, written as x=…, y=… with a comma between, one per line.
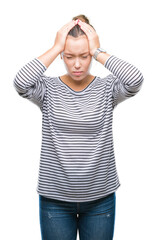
x=56, y=49
x=93, y=51
x=49, y=56
x=102, y=57
x=97, y=52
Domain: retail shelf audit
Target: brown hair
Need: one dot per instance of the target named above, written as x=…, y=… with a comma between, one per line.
x=76, y=31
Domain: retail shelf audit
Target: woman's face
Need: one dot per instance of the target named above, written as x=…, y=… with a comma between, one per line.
x=76, y=56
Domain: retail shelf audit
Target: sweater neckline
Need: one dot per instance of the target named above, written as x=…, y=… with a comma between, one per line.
x=77, y=92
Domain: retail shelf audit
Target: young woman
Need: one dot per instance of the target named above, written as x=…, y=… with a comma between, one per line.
x=77, y=175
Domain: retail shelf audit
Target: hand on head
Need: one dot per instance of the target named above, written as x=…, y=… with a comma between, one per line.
x=88, y=30
x=62, y=35
x=92, y=36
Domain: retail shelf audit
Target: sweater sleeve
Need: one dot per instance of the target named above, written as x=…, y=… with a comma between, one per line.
x=126, y=79
x=29, y=81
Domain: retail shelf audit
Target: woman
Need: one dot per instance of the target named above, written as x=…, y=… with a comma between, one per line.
x=77, y=175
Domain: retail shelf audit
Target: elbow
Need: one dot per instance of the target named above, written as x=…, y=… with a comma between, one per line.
x=135, y=84
x=140, y=77
x=18, y=84
x=137, y=80
x=140, y=80
x=15, y=82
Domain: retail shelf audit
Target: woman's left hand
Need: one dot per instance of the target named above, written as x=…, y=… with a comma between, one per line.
x=92, y=36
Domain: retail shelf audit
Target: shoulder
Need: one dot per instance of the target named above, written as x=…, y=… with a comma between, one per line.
x=106, y=80
x=49, y=79
x=105, y=84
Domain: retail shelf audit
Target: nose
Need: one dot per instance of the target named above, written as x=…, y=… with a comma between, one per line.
x=77, y=63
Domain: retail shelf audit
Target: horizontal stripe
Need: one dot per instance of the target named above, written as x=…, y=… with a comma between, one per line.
x=77, y=161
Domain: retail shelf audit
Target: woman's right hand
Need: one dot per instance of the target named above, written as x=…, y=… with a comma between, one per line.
x=49, y=56
x=62, y=35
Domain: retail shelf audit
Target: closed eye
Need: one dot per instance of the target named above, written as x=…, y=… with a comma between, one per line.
x=71, y=57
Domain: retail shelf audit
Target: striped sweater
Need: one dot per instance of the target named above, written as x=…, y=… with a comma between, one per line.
x=77, y=161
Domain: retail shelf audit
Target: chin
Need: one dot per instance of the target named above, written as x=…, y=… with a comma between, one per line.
x=79, y=78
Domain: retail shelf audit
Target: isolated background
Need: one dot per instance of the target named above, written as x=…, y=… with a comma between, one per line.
x=127, y=29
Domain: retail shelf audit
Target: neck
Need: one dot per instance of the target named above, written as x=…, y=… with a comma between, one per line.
x=82, y=82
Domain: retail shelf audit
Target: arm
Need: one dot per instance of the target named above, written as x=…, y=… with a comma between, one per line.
x=30, y=82
x=48, y=57
x=126, y=80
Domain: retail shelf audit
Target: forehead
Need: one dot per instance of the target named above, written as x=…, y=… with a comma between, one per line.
x=76, y=45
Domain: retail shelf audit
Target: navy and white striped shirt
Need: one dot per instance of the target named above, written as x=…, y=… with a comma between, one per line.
x=77, y=161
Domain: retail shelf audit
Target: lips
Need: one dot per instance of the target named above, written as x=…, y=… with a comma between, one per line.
x=77, y=73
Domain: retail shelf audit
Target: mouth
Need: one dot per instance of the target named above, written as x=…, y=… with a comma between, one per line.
x=77, y=73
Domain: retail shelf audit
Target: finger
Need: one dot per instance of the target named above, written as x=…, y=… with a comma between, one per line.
x=86, y=29
x=87, y=26
x=69, y=24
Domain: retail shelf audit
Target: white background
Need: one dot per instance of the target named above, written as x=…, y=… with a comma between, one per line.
x=127, y=29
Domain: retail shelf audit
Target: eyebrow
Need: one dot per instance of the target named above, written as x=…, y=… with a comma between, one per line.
x=73, y=54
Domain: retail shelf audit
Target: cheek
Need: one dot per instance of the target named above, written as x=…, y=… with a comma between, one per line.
x=67, y=65
x=88, y=63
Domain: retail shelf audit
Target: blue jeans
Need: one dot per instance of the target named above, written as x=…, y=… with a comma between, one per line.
x=59, y=220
